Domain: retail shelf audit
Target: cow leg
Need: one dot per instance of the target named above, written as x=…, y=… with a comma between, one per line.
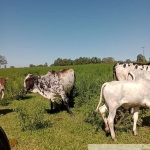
x=111, y=117
x=68, y=108
x=103, y=110
x=2, y=94
x=135, y=117
x=52, y=105
x=65, y=100
x=132, y=110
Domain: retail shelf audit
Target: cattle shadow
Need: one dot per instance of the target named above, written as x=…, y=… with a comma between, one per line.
x=146, y=121
x=5, y=111
x=24, y=97
x=58, y=107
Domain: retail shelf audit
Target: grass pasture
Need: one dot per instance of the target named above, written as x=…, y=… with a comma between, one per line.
x=25, y=118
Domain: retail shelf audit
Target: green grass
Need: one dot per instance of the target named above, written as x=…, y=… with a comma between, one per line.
x=63, y=132
x=59, y=131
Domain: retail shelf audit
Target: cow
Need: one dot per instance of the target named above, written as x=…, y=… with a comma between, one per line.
x=126, y=94
x=138, y=74
x=2, y=86
x=131, y=71
x=52, y=85
x=121, y=70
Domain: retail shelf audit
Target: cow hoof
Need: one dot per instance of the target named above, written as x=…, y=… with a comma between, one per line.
x=72, y=115
x=135, y=134
x=115, y=140
x=107, y=129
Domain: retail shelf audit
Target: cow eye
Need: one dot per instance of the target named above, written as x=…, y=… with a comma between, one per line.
x=27, y=80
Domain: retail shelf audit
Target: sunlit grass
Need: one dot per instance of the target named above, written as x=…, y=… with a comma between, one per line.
x=63, y=132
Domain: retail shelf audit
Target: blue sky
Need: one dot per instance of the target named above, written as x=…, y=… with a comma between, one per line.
x=39, y=31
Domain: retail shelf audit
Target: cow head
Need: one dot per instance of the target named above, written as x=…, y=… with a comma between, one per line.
x=29, y=82
x=2, y=83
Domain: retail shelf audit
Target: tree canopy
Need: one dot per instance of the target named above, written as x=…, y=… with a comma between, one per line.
x=3, y=60
x=141, y=58
x=78, y=61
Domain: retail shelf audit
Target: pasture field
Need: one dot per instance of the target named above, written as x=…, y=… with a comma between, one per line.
x=26, y=118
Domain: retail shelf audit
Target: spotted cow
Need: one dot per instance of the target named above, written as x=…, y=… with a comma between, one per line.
x=52, y=85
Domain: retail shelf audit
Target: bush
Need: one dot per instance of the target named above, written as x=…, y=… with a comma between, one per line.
x=32, y=117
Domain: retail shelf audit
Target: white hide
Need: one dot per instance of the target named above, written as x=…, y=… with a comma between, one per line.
x=127, y=94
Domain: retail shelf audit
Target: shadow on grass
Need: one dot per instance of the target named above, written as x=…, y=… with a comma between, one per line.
x=5, y=111
x=58, y=107
x=146, y=121
x=55, y=111
x=24, y=97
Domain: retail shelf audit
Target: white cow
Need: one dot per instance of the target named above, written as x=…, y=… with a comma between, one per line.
x=138, y=74
x=131, y=71
x=126, y=94
x=52, y=85
x=121, y=70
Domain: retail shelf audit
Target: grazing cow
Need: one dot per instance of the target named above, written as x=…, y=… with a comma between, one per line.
x=51, y=85
x=2, y=86
x=121, y=70
x=126, y=94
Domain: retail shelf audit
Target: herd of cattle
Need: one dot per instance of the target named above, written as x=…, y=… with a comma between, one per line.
x=132, y=90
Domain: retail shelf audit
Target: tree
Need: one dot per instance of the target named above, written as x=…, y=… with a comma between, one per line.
x=31, y=65
x=3, y=61
x=128, y=61
x=141, y=58
x=12, y=67
x=95, y=60
x=57, y=62
x=46, y=65
x=108, y=60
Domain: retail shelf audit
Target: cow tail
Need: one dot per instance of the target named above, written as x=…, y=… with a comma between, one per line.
x=114, y=72
x=132, y=75
x=101, y=95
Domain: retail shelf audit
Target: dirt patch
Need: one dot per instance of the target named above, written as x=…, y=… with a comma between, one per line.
x=58, y=119
x=13, y=142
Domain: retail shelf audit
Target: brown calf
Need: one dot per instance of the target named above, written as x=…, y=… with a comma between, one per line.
x=2, y=86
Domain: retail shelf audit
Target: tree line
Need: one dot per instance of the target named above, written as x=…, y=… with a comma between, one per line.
x=94, y=60
x=79, y=61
